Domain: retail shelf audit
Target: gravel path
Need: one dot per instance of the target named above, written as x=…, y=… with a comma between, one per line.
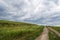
x=44, y=35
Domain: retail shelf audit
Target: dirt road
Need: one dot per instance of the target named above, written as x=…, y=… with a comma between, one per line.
x=53, y=30
x=44, y=35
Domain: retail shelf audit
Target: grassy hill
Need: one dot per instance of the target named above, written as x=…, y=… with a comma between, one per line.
x=10, y=30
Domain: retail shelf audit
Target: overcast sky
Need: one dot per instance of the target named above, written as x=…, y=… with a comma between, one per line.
x=36, y=11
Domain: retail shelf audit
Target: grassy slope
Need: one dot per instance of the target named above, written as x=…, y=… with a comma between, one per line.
x=10, y=30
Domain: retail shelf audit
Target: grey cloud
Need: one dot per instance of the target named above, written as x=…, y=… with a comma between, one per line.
x=36, y=11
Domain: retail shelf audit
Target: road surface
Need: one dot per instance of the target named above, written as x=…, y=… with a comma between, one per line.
x=53, y=30
x=44, y=35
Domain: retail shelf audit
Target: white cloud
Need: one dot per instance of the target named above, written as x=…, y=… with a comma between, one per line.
x=32, y=9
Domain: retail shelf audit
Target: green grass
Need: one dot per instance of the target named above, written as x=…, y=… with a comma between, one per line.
x=53, y=36
x=10, y=30
x=56, y=28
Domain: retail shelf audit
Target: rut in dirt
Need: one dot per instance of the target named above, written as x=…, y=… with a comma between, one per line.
x=44, y=35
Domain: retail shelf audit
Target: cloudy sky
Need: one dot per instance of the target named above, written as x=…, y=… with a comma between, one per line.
x=35, y=11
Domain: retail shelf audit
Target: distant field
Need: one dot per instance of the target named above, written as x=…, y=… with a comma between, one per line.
x=56, y=28
x=10, y=30
x=19, y=31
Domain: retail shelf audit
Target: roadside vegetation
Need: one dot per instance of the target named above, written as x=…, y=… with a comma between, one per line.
x=56, y=28
x=53, y=36
x=10, y=30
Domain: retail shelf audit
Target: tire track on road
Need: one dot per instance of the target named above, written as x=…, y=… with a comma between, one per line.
x=53, y=30
x=44, y=35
